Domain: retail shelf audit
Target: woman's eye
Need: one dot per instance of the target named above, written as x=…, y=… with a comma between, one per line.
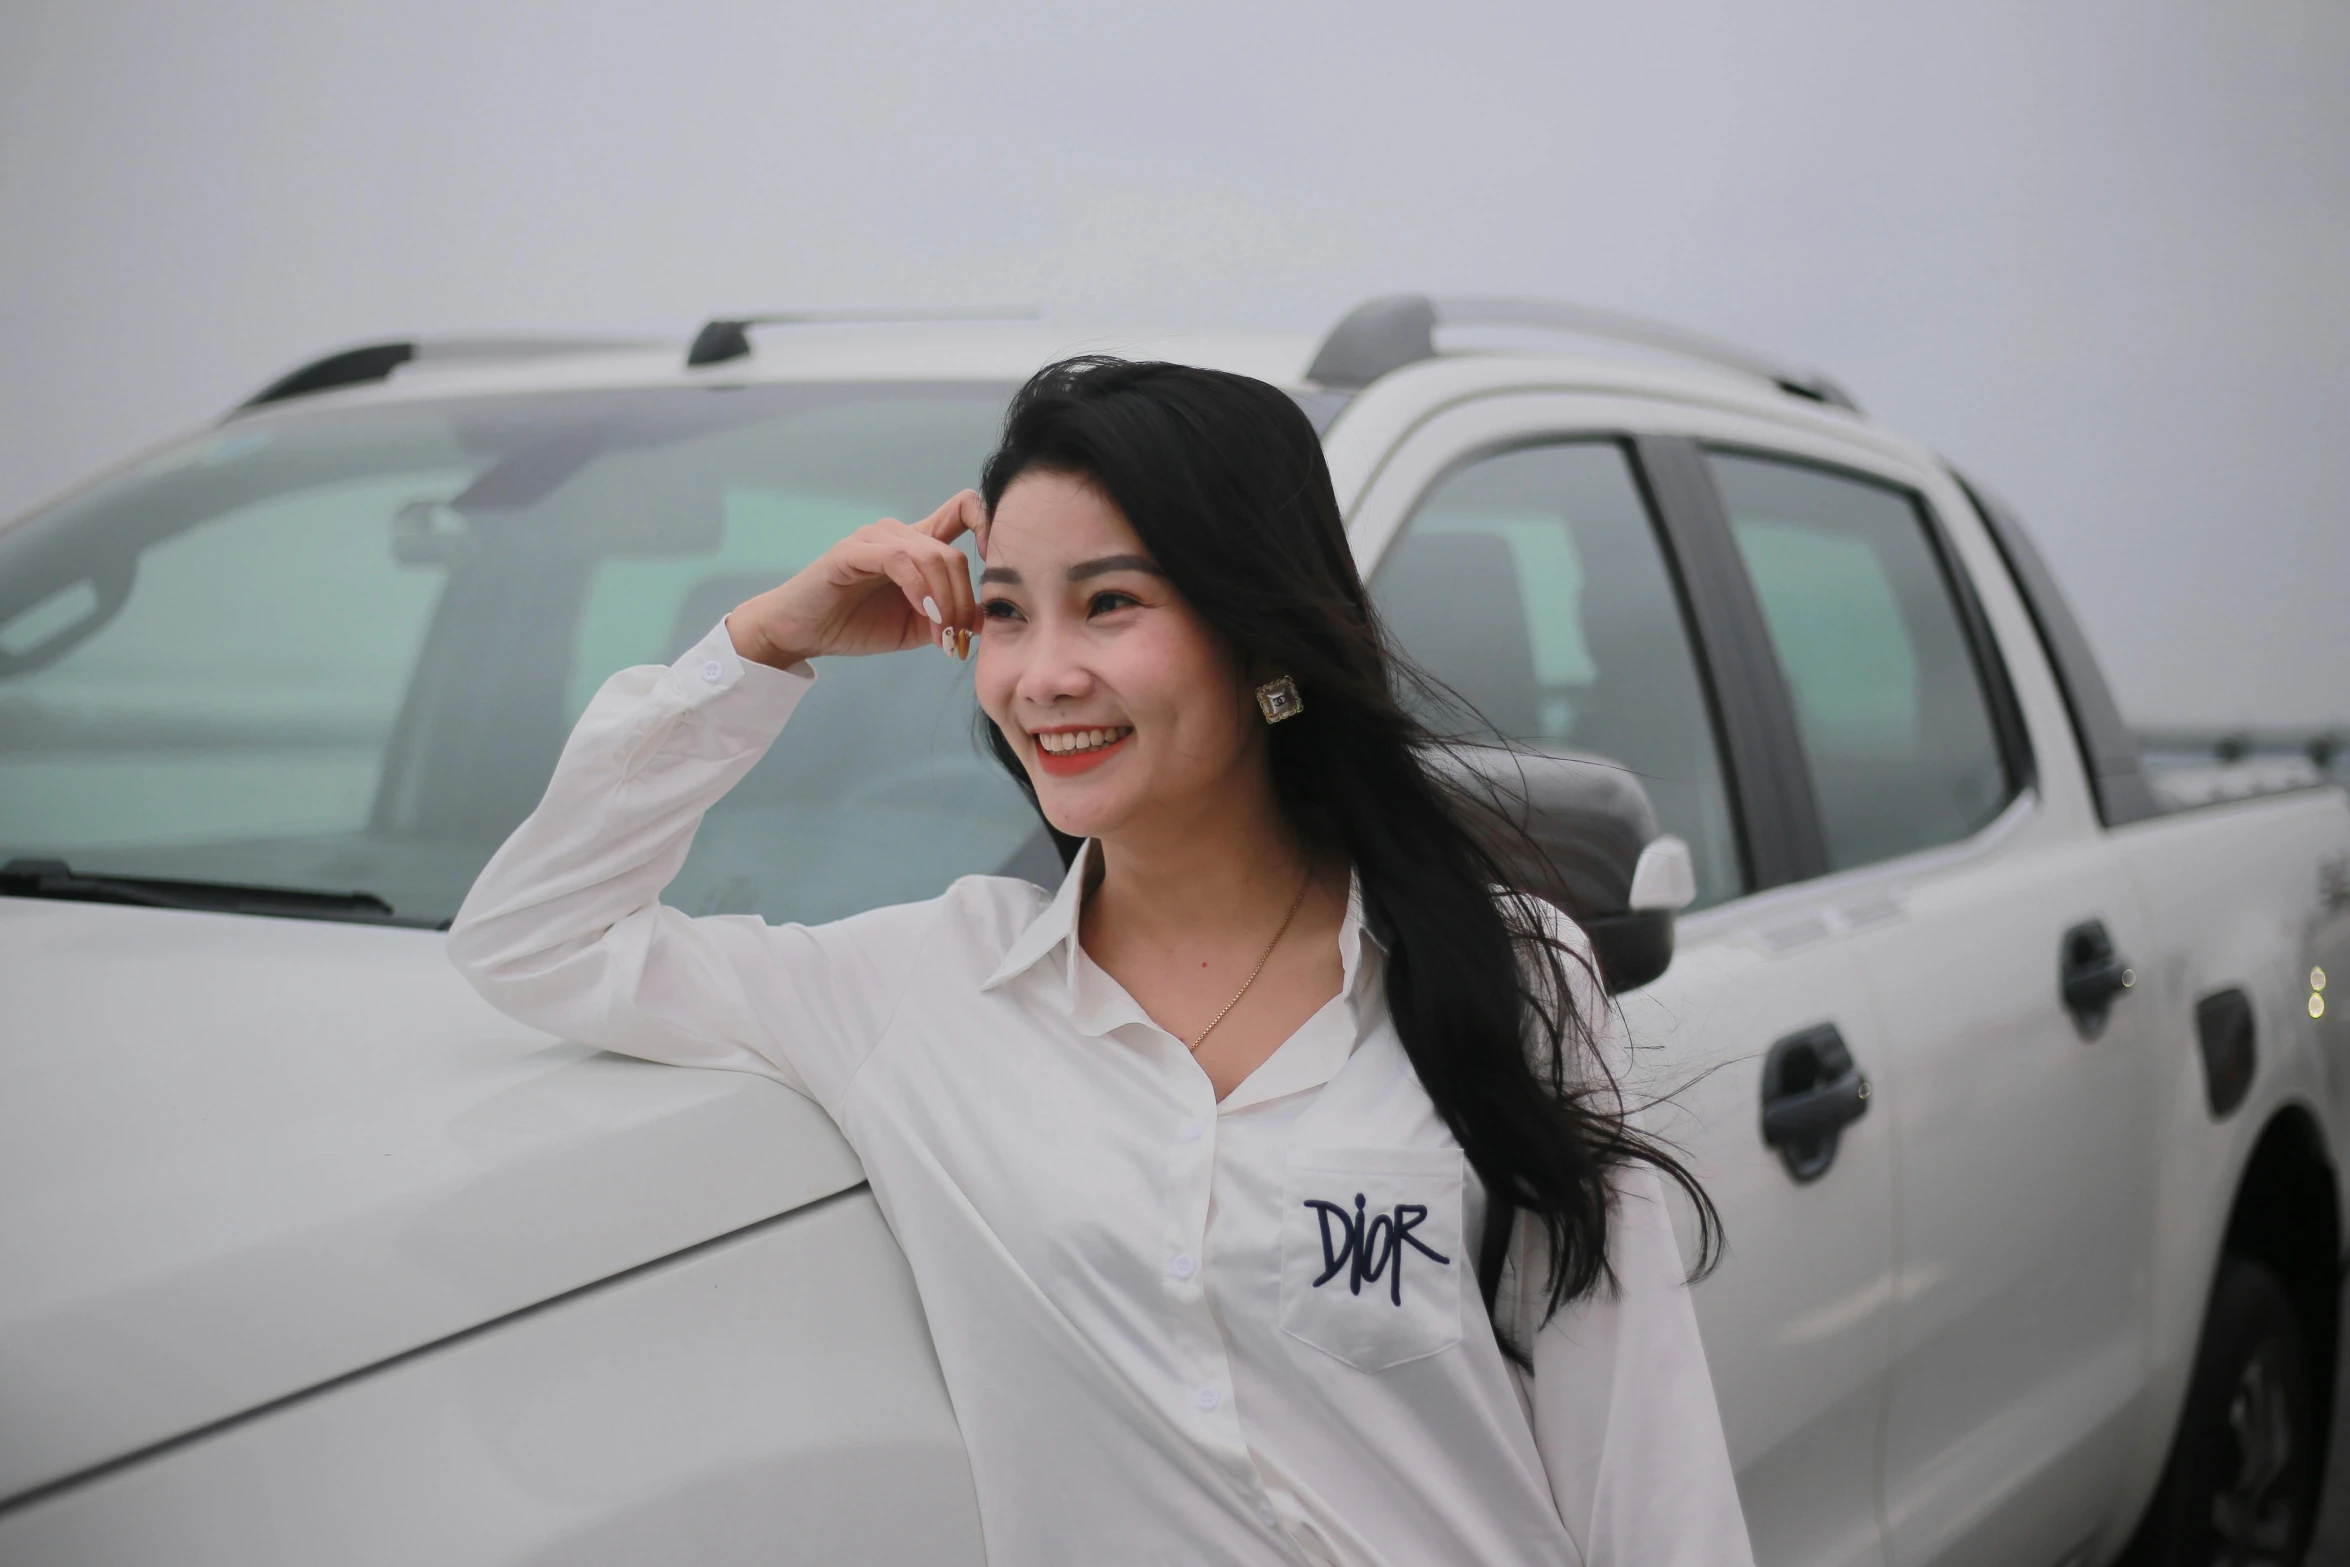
x=998, y=609
x=1105, y=602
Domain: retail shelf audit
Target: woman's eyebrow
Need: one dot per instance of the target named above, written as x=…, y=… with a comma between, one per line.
x=1108, y=563
x=1000, y=574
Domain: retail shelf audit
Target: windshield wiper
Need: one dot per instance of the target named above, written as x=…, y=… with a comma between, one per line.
x=38, y=878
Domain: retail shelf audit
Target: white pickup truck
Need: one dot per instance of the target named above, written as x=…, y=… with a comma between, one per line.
x=2013, y=1075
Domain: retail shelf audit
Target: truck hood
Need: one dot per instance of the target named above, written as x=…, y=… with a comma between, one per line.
x=242, y=1156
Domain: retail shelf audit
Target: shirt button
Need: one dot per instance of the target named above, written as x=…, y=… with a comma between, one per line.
x=1207, y=1398
x=713, y=671
x=1265, y=1514
x=1183, y=1267
x=1196, y=1130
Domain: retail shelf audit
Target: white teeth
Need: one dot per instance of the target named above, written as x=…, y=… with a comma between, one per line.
x=1080, y=740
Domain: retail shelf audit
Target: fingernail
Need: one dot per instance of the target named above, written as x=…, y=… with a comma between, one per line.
x=930, y=608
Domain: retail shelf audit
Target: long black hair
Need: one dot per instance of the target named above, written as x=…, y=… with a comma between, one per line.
x=1223, y=479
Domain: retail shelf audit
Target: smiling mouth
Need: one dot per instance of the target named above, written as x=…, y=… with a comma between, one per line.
x=1078, y=742
x=1067, y=752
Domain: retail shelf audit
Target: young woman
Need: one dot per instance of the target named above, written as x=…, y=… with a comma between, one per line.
x=1266, y=1186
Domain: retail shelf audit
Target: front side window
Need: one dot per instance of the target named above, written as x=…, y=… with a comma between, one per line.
x=1533, y=585
x=1889, y=700
x=338, y=650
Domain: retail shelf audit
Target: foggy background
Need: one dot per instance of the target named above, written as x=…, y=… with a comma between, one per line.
x=2099, y=254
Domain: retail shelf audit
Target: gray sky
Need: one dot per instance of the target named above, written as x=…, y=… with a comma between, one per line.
x=2097, y=253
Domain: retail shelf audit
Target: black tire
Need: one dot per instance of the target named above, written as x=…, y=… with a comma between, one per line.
x=2240, y=1489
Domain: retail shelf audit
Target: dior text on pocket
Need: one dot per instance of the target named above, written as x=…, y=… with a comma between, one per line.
x=1371, y=1253
x=1372, y=1244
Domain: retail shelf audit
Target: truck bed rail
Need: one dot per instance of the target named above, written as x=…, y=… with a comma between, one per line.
x=2191, y=767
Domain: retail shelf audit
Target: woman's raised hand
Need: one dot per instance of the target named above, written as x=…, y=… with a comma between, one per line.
x=886, y=586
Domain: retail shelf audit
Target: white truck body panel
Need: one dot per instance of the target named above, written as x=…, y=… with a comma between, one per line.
x=769, y=1396
x=242, y=1157
x=2233, y=898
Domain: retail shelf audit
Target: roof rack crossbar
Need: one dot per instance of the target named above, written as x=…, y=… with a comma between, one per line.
x=728, y=337
x=1387, y=334
x=376, y=361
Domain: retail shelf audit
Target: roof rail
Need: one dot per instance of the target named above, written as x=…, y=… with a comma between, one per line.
x=376, y=361
x=2325, y=749
x=728, y=337
x=1388, y=333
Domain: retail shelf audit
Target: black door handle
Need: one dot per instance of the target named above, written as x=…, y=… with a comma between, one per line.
x=1811, y=1091
x=2091, y=974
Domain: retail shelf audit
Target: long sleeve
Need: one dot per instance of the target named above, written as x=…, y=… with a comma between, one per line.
x=1624, y=1411
x=564, y=929
x=1622, y=1400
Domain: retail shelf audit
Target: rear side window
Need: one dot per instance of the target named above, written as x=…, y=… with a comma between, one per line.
x=1532, y=584
x=1889, y=700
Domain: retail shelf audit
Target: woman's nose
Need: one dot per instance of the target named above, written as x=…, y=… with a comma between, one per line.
x=1055, y=668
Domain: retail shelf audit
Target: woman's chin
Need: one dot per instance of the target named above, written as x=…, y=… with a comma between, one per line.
x=1078, y=811
x=1076, y=824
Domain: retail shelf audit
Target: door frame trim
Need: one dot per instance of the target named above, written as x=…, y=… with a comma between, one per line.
x=1769, y=778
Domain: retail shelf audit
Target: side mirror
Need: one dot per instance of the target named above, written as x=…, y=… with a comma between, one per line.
x=1580, y=832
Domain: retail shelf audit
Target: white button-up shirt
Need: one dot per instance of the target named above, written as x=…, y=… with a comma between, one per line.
x=1173, y=1329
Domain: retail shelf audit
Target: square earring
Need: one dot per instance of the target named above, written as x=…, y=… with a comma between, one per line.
x=1278, y=699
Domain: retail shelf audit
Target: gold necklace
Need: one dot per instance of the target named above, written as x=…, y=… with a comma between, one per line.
x=1263, y=958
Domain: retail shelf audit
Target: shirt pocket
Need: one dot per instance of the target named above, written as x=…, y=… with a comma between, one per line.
x=1371, y=1257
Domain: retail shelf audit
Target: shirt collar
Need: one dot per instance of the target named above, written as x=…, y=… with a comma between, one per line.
x=1053, y=934
x=1055, y=926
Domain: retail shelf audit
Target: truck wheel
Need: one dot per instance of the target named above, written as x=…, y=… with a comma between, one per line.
x=2238, y=1491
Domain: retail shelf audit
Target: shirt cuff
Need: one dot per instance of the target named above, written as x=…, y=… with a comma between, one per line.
x=712, y=674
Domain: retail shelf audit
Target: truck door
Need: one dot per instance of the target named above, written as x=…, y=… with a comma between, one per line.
x=2021, y=1113
x=1517, y=554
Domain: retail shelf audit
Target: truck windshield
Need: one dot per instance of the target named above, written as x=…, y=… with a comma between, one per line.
x=339, y=650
